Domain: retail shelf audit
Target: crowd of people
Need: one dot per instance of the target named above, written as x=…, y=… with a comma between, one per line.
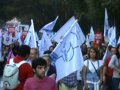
x=39, y=73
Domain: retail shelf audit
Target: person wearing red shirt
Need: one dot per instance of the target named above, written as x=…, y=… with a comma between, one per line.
x=25, y=70
x=107, y=71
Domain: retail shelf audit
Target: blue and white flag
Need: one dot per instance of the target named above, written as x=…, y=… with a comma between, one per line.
x=7, y=38
x=31, y=38
x=92, y=34
x=44, y=44
x=0, y=45
x=110, y=32
x=106, y=26
x=112, y=40
x=50, y=26
x=19, y=34
x=118, y=41
x=67, y=54
x=106, y=55
x=80, y=33
x=60, y=33
x=87, y=41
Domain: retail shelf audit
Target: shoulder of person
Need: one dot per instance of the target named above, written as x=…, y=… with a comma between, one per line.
x=114, y=56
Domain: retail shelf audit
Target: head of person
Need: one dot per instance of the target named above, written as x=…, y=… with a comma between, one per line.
x=24, y=51
x=118, y=51
x=39, y=67
x=15, y=50
x=47, y=59
x=113, y=50
x=33, y=53
x=92, y=43
x=93, y=53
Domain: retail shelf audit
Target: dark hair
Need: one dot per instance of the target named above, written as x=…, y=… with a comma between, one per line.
x=15, y=50
x=96, y=51
x=39, y=61
x=118, y=53
x=24, y=50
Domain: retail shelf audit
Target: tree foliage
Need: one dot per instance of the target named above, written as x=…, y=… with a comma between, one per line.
x=88, y=12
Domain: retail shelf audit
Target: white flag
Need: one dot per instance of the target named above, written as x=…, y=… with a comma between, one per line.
x=50, y=26
x=0, y=45
x=44, y=44
x=118, y=41
x=113, y=38
x=92, y=34
x=80, y=33
x=60, y=33
x=106, y=54
x=87, y=41
x=7, y=38
x=67, y=54
x=110, y=32
x=106, y=24
x=31, y=38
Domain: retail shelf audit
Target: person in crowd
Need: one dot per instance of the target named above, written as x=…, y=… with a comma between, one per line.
x=25, y=70
x=33, y=55
x=69, y=82
x=86, y=56
x=13, y=52
x=50, y=70
x=92, y=70
x=39, y=81
x=91, y=43
x=115, y=65
x=84, y=49
x=108, y=72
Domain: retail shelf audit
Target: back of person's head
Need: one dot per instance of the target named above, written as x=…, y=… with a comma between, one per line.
x=15, y=50
x=39, y=61
x=24, y=50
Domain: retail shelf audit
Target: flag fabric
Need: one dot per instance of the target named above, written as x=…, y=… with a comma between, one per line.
x=60, y=33
x=31, y=38
x=92, y=34
x=67, y=54
x=7, y=38
x=50, y=26
x=80, y=33
x=44, y=43
x=0, y=45
x=106, y=26
x=118, y=41
x=106, y=55
x=110, y=32
x=112, y=40
x=87, y=41
x=19, y=34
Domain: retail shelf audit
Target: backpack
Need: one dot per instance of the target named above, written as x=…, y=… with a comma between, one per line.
x=11, y=74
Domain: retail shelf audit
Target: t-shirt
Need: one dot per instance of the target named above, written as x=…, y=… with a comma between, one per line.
x=115, y=62
x=35, y=84
x=95, y=63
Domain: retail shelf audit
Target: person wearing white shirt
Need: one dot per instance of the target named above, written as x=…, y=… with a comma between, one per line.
x=115, y=64
x=92, y=71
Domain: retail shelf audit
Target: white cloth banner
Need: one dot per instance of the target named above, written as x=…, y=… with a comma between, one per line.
x=67, y=54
